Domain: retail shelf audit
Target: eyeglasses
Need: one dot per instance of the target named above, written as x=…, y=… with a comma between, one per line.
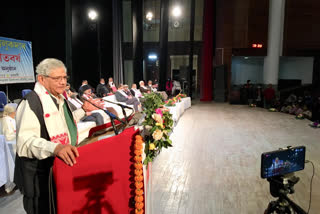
x=58, y=79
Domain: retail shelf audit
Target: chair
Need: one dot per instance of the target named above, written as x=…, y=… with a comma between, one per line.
x=25, y=92
x=3, y=100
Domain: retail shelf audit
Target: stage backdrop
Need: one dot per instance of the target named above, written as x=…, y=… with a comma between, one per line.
x=16, y=65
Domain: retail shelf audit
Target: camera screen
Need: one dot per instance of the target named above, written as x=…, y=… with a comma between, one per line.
x=282, y=162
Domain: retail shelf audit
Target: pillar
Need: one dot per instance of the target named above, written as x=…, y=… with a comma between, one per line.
x=275, y=37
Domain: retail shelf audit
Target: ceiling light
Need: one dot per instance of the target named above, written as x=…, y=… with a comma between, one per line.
x=176, y=11
x=149, y=16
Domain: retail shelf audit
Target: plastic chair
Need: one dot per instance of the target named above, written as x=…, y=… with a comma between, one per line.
x=3, y=100
x=25, y=92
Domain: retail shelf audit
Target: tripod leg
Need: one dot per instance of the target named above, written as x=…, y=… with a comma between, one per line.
x=271, y=207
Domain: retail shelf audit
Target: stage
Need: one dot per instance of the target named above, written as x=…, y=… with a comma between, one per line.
x=214, y=164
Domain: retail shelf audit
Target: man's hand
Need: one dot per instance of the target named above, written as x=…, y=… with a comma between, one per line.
x=67, y=153
x=88, y=113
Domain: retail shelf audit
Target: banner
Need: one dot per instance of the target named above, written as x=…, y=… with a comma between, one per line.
x=16, y=64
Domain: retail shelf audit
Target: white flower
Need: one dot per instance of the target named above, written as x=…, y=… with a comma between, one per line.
x=157, y=134
x=157, y=118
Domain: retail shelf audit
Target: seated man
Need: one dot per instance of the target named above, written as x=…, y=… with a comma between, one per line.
x=152, y=87
x=143, y=88
x=176, y=89
x=122, y=96
x=134, y=91
x=102, y=89
x=95, y=105
x=79, y=113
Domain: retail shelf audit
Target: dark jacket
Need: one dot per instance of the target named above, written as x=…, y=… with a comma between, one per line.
x=144, y=90
x=102, y=90
x=31, y=175
x=120, y=97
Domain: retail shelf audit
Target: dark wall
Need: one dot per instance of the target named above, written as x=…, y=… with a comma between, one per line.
x=302, y=27
x=42, y=24
x=85, y=42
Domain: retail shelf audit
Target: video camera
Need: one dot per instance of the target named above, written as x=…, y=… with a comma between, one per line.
x=279, y=167
x=283, y=161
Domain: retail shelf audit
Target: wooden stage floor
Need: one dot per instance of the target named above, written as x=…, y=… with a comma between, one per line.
x=214, y=166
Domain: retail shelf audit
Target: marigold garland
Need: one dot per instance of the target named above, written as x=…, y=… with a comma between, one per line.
x=138, y=178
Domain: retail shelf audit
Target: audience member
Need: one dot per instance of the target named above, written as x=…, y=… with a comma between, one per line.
x=134, y=91
x=143, y=88
x=102, y=89
x=269, y=96
x=111, y=86
x=152, y=87
x=259, y=96
x=122, y=96
x=169, y=85
x=95, y=105
x=80, y=114
x=9, y=122
x=70, y=88
x=176, y=89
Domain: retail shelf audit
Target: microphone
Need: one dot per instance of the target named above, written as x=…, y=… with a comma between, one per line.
x=111, y=115
x=122, y=107
x=119, y=104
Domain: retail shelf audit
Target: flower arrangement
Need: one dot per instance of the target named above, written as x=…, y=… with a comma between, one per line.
x=170, y=102
x=315, y=124
x=300, y=117
x=272, y=109
x=158, y=125
x=138, y=178
x=181, y=95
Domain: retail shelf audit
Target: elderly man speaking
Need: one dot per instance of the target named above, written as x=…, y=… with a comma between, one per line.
x=45, y=129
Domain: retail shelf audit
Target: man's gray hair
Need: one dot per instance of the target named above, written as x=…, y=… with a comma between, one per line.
x=45, y=67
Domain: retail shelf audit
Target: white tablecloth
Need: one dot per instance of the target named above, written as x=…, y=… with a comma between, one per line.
x=187, y=102
x=179, y=108
x=6, y=162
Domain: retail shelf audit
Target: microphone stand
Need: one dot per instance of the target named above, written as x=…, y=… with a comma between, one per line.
x=122, y=107
x=112, y=116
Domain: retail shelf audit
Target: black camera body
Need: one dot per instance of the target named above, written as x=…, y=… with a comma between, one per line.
x=283, y=161
x=279, y=167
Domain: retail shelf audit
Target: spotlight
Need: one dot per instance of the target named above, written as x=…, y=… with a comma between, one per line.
x=152, y=57
x=176, y=11
x=93, y=14
x=149, y=16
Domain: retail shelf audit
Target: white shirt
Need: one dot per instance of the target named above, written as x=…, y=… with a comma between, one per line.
x=153, y=89
x=29, y=141
x=9, y=128
x=76, y=102
x=137, y=92
x=123, y=93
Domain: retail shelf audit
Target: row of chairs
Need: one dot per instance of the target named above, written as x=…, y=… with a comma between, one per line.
x=4, y=99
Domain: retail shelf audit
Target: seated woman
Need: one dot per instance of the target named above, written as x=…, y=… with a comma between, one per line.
x=111, y=86
x=9, y=131
x=8, y=122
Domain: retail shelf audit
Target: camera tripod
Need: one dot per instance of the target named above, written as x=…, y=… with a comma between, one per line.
x=279, y=187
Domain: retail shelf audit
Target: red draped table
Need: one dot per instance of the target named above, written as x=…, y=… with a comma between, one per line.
x=102, y=179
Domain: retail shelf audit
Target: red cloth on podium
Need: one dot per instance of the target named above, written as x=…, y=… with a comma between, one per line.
x=100, y=180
